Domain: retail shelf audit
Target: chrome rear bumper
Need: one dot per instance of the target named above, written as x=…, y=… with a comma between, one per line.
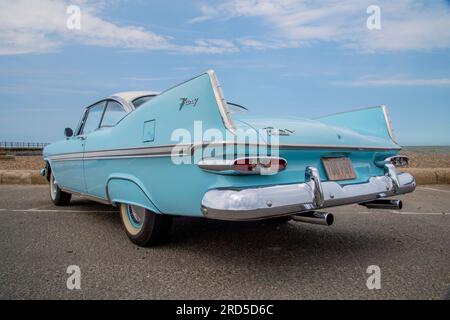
x=267, y=202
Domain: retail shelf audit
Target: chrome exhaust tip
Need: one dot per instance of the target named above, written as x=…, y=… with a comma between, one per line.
x=315, y=217
x=384, y=204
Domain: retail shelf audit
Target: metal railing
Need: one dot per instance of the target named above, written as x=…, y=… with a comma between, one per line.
x=22, y=145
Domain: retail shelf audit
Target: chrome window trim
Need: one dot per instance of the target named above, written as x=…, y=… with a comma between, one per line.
x=106, y=109
x=80, y=123
x=86, y=114
x=127, y=106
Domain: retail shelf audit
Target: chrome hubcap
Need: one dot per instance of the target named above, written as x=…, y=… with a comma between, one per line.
x=136, y=215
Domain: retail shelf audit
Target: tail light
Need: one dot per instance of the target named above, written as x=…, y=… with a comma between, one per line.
x=397, y=161
x=260, y=165
x=248, y=165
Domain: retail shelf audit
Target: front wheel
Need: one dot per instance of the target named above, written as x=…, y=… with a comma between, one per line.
x=59, y=197
x=144, y=227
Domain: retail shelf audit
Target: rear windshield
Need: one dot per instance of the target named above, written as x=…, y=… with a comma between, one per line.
x=140, y=101
x=236, y=108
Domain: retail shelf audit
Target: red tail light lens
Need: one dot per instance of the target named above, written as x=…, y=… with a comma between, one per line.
x=260, y=165
x=399, y=161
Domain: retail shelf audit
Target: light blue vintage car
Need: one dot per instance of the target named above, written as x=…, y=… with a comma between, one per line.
x=188, y=152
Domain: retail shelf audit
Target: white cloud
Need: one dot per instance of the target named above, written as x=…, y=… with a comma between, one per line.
x=406, y=24
x=28, y=26
x=147, y=79
x=271, y=44
x=40, y=26
x=439, y=82
x=210, y=46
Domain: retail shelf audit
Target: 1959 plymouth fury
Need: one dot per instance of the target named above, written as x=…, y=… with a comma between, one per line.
x=188, y=152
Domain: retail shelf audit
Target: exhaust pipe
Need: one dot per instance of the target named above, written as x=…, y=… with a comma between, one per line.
x=384, y=204
x=315, y=217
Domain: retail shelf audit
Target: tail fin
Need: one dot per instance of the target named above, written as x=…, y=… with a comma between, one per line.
x=373, y=121
x=198, y=99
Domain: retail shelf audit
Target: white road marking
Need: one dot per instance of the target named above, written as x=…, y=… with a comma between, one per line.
x=72, y=211
x=41, y=207
x=427, y=213
x=406, y=212
x=433, y=189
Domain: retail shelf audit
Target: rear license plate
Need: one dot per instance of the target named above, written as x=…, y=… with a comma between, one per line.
x=338, y=169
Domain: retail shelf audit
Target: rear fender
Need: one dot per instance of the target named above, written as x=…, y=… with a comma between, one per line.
x=128, y=189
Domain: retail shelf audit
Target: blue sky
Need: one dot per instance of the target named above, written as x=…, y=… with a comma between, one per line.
x=279, y=58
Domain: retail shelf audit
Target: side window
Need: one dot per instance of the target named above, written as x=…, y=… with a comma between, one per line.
x=93, y=117
x=114, y=113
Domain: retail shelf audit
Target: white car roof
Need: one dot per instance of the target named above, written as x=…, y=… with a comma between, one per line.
x=129, y=96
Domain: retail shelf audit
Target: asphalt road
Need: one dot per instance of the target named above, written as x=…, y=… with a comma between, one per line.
x=224, y=260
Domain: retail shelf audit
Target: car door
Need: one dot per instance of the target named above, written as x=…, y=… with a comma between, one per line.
x=98, y=169
x=90, y=123
x=69, y=174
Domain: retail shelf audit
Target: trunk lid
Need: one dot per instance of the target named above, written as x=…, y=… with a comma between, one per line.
x=305, y=142
x=300, y=131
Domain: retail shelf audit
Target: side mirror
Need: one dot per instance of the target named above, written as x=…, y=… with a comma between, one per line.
x=68, y=132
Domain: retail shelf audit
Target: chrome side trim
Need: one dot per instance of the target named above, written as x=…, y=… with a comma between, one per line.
x=281, y=200
x=161, y=151
x=87, y=196
x=218, y=165
x=166, y=150
x=294, y=146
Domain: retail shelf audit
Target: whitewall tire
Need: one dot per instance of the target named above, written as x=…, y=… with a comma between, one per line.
x=144, y=227
x=59, y=197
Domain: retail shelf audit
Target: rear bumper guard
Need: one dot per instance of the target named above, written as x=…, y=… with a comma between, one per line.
x=267, y=202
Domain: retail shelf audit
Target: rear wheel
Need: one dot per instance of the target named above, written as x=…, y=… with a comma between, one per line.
x=59, y=197
x=144, y=227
